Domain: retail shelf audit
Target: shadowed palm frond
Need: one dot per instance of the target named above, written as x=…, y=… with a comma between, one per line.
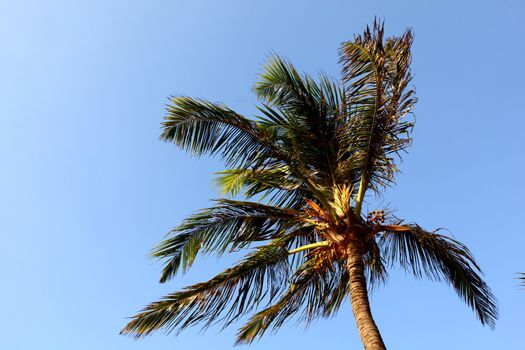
x=228, y=225
x=315, y=290
x=307, y=112
x=375, y=265
x=376, y=74
x=442, y=258
x=227, y=296
x=202, y=127
x=282, y=86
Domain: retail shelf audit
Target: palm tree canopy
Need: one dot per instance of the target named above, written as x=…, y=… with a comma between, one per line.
x=306, y=162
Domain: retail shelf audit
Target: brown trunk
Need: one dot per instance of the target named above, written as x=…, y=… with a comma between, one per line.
x=368, y=330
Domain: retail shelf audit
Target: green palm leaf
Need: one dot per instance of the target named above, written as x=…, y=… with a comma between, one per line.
x=276, y=185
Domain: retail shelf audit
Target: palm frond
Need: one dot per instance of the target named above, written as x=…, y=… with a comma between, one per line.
x=315, y=290
x=521, y=277
x=225, y=297
x=442, y=258
x=202, y=127
x=254, y=181
x=307, y=114
x=375, y=265
x=276, y=185
x=228, y=225
x=376, y=75
x=281, y=85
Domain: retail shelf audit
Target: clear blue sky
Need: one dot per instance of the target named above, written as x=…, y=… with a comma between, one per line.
x=87, y=188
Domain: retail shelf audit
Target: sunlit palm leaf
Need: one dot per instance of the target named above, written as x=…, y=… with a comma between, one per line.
x=254, y=181
x=276, y=185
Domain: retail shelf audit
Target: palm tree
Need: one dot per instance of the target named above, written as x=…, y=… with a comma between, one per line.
x=307, y=163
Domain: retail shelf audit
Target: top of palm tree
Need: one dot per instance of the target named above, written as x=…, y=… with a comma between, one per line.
x=309, y=157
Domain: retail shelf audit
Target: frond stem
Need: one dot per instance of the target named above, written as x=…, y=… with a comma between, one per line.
x=360, y=196
x=309, y=246
x=395, y=228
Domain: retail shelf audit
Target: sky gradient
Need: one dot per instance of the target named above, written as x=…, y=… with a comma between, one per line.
x=87, y=188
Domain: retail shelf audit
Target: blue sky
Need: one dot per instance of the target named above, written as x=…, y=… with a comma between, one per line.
x=87, y=188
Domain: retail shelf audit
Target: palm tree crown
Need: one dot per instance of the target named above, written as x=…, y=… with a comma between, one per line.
x=307, y=160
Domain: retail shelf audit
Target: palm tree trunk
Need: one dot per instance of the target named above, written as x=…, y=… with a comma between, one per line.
x=368, y=330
